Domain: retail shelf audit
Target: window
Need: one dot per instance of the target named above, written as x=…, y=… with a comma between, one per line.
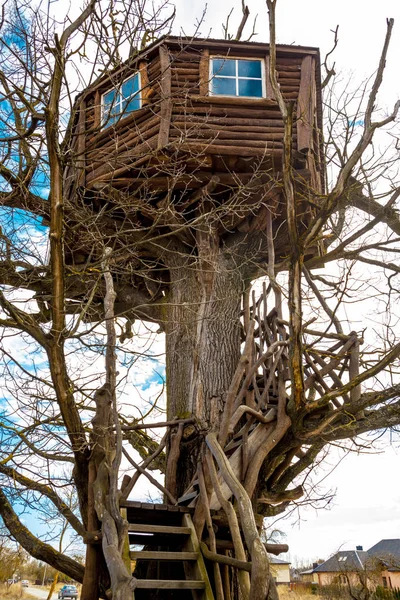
x=384, y=581
x=119, y=102
x=237, y=77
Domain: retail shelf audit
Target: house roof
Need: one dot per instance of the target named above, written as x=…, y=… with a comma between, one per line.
x=388, y=551
x=345, y=560
x=307, y=572
x=386, y=548
x=183, y=42
x=227, y=44
x=278, y=561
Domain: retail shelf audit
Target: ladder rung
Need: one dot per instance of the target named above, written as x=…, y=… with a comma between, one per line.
x=157, y=555
x=169, y=584
x=169, y=529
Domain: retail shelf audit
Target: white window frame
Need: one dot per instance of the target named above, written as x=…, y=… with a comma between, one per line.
x=236, y=77
x=105, y=119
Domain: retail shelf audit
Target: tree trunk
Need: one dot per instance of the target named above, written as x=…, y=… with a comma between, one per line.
x=96, y=580
x=202, y=347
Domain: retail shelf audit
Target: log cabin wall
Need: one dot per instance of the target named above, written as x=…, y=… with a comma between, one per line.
x=233, y=126
x=115, y=149
x=178, y=115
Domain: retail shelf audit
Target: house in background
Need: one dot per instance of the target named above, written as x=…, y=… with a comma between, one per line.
x=387, y=553
x=380, y=565
x=309, y=575
x=344, y=567
x=280, y=570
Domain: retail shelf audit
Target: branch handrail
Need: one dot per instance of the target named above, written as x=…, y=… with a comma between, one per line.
x=260, y=569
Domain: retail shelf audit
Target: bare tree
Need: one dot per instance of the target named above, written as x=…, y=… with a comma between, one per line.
x=13, y=559
x=258, y=382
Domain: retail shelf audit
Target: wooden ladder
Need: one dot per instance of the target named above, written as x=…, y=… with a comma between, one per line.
x=160, y=526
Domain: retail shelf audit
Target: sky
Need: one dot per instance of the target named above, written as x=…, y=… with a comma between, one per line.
x=364, y=510
x=362, y=26
x=366, y=505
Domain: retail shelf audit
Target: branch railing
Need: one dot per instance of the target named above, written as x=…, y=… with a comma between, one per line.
x=254, y=423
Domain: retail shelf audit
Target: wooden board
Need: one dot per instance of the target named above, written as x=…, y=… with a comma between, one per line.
x=166, y=101
x=167, y=529
x=154, y=541
x=169, y=584
x=146, y=506
x=306, y=105
x=159, y=555
x=197, y=569
x=204, y=73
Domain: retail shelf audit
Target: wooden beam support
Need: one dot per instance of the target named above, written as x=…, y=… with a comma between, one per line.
x=166, y=100
x=268, y=87
x=81, y=145
x=225, y=560
x=204, y=72
x=306, y=105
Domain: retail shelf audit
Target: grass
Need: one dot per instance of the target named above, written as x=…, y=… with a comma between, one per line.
x=14, y=592
x=17, y=592
x=301, y=594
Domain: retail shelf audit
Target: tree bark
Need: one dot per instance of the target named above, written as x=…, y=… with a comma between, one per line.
x=202, y=346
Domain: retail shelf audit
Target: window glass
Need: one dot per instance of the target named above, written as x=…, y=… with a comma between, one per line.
x=236, y=77
x=224, y=66
x=249, y=68
x=250, y=87
x=118, y=103
x=131, y=105
x=224, y=87
x=114, y=108
x=108, y=100
x=130, y=87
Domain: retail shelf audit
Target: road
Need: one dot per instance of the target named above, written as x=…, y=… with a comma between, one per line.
x=39, y=593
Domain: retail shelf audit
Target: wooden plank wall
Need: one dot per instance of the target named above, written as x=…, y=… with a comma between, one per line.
x=225, y=125
x=113, y=151
x=177, y=113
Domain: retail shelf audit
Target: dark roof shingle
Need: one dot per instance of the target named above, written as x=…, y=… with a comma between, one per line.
x=345, y=560
x=388, y=551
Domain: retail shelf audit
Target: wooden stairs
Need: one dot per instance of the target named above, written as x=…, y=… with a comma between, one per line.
x=170, y=544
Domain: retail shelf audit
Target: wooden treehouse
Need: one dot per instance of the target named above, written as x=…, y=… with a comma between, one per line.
x=184, y=142
x=188, y=117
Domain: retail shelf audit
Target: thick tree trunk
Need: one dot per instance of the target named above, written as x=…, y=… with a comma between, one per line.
x=202, y=318
x=202, y=346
